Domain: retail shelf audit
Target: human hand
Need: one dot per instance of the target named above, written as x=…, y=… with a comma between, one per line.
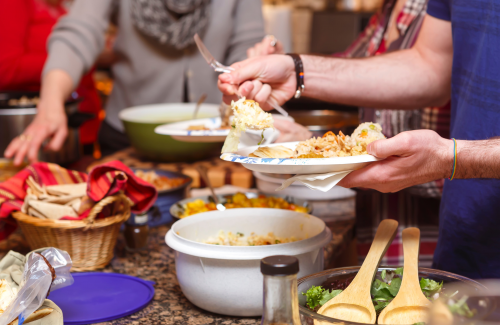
x=413, y=157
x=48, y=123
x=260, y=78
x=290, y=131
x=266, y=47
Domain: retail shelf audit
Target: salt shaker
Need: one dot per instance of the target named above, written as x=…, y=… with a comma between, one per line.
x=281, y=303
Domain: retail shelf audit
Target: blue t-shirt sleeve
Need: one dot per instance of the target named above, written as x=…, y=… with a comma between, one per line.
x=439, y=9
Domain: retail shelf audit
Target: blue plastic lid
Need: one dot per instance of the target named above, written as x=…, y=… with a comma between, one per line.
x=99, y=297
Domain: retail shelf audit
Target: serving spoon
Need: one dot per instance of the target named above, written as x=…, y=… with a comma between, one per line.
x=355, y=303
x=219, y=67
x=204, y=174
x=410, y=305
x=198, y=104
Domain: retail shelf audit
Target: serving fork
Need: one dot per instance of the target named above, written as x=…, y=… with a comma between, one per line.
x=219, y=67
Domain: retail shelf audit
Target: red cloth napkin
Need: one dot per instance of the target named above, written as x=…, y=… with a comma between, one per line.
x=104, y=180
x=110, y=178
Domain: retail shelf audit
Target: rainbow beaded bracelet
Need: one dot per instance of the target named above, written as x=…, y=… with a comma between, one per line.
x=454, y=159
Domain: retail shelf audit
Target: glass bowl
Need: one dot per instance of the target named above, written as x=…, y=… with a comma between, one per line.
x=484, y=306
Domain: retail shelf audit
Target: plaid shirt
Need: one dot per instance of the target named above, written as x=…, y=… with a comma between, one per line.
x=417, y=206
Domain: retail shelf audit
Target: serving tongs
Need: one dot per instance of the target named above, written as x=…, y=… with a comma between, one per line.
x=354, y=304
x=219, y=67
x=410, y=306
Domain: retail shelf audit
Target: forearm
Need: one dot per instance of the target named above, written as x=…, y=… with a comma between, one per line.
x=57, y=86
x=478, y=159
x=399, y=80
x=407, y=79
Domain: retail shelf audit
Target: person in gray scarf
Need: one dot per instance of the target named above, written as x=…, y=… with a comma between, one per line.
x=157, y=59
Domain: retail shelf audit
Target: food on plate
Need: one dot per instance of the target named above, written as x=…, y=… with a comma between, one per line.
x=202, y=127
x=197, y=127
x=384, y=289
x=247, y=115
x=366, y=133
x=160, y=182
x=7, y=294
x=240, y=200
x=239, y=239
x=330, y=145
x=272, y=152
x=24, y=101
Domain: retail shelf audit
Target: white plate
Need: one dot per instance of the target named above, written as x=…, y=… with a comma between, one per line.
x=179, y=131
x=296, y=166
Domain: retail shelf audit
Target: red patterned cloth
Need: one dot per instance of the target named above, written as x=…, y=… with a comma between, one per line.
x=104, y=180
x=110, y=178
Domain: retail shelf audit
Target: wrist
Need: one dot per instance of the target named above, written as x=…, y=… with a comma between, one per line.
x=48, y=108
x=447, y=159
x=299, y=74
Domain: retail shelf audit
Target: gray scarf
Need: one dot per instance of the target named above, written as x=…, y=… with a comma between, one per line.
x=172, y=22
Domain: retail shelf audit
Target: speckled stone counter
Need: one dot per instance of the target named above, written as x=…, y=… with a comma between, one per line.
x=157, y=264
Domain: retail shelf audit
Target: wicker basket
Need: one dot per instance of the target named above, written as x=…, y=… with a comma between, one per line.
x=89, y=242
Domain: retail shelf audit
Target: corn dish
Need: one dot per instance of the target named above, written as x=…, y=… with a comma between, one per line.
x=240, y=200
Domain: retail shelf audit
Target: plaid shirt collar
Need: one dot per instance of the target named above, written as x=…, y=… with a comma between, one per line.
x=370, y=39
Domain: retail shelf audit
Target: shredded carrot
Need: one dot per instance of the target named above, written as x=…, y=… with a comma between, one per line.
x=342, y=135
x=328, y=133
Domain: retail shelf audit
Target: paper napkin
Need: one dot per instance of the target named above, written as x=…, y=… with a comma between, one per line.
x=318, y=182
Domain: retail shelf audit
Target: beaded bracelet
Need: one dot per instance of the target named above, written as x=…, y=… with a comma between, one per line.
x=454, y=159
x=299, y=72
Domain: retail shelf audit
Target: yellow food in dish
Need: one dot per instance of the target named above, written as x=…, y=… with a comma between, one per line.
x=240, y=200
x=239, y=239
x=247, y=115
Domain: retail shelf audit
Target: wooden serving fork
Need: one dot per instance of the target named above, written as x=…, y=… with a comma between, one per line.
x=410, y=305
x=355, y=303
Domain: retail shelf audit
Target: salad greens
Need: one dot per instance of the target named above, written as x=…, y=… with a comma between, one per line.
x=385, y=290
x=318, y=296
x=460, y=307
x=430, y=287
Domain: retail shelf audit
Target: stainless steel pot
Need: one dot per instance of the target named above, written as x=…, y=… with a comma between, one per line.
x=14, y=120
x=321, y=121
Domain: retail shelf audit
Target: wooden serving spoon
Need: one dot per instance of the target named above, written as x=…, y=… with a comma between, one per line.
x=410, y=304
x=355, y=303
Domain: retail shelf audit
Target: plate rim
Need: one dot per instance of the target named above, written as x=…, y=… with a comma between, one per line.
x=165, y=130
x=239, y=158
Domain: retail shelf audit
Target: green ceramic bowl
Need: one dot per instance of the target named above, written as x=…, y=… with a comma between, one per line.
x=141, y=121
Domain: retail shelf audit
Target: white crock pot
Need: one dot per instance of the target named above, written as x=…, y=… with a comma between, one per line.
x=227, y=279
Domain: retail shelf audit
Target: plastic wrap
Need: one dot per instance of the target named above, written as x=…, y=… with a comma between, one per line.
x=37, y=280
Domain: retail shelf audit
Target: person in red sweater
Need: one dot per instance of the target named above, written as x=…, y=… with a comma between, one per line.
x=25, y=26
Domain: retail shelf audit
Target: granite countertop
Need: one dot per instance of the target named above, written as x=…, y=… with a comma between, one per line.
x=169, y=306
